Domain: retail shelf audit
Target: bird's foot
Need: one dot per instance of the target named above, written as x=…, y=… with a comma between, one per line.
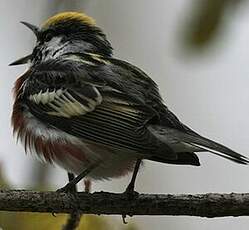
x=68, y=188
x=130, y=192
x=124, y=219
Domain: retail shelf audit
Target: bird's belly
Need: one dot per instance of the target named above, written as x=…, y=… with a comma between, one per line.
x=72, y=153
x=111, y=163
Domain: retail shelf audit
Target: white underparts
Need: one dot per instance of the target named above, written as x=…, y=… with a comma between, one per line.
x=114, y=162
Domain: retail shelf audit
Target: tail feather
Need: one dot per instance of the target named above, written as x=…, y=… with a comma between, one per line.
x=192, y=142
x=214, y=147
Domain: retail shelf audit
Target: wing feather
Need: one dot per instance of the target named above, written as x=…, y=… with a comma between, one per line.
x=98, y=113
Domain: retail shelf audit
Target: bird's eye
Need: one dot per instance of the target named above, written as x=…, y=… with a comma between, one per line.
x=49, y=35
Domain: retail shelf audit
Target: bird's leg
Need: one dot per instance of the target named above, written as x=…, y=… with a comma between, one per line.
x=130, y=188
x=70, y=178
x=130, y=192
x=72, y=183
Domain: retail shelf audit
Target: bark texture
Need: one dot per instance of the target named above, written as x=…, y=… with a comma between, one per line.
x=204, y=205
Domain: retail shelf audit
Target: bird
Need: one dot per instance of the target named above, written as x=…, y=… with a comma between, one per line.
x=96, y=116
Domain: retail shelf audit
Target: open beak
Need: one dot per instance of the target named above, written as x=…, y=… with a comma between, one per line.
x=27, y=58
x=33, y=28
x=21, y=61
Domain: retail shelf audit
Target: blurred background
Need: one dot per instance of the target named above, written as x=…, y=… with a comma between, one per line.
x=196, y=50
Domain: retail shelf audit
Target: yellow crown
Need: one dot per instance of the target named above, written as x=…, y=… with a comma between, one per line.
x=65, y=16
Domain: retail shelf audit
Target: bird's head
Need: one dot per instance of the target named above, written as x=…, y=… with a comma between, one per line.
x=67, y=32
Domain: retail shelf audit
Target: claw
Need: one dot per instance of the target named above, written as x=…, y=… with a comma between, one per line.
x=123, y=218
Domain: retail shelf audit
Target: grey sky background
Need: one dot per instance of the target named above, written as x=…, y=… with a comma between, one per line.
x=208, y=91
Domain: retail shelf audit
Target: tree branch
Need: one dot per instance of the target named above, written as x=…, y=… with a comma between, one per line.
x=204, y=205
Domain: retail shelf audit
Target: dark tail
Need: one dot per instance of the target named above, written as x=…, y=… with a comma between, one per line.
x=214, y=147
x=192, y=142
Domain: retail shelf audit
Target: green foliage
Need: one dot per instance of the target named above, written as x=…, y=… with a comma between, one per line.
x=207, y=22
x=41, y=221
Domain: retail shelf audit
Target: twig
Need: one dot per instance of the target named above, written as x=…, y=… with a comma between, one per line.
x=204, y=205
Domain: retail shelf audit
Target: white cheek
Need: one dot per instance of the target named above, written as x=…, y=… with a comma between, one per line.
x=54, y=42
x=54, y=48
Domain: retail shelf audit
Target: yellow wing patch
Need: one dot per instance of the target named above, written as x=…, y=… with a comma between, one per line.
x=64, y=16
